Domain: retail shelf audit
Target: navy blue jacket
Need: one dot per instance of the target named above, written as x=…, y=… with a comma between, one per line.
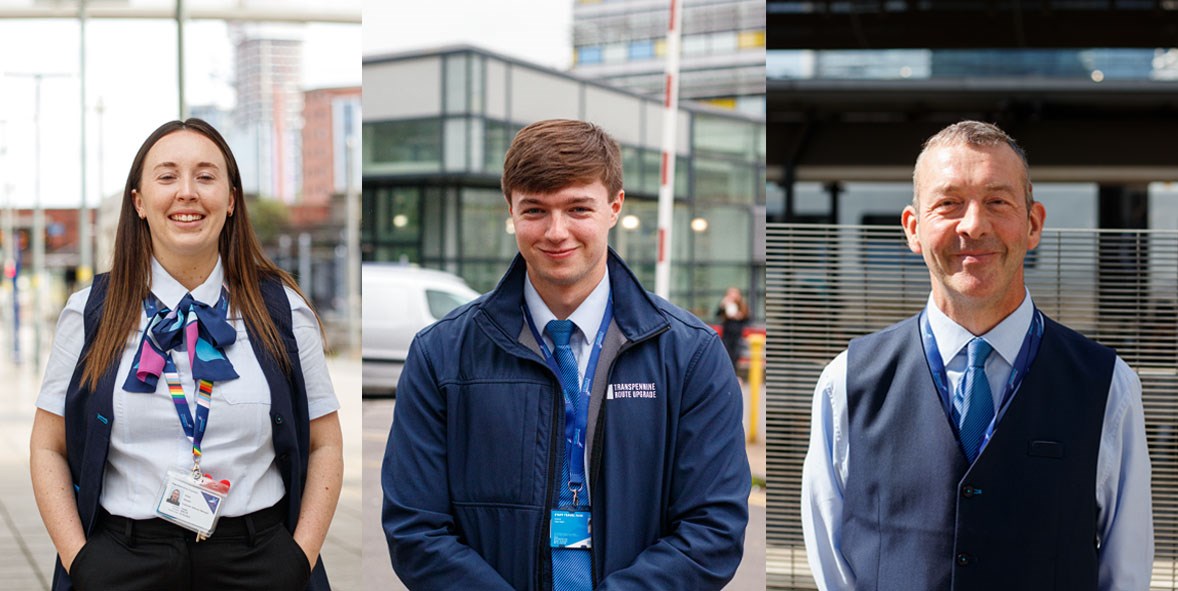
x=89, y=416
x=469, y=470
x=1022, y=517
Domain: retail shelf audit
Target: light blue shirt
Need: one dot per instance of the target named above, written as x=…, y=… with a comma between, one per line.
x=586, y=318
x=1124, y=519
x=1006, y=339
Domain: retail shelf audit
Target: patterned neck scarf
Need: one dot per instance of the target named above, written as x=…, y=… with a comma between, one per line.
x=205, y=332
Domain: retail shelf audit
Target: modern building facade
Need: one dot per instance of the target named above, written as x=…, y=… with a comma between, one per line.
x=331, y=117
x=269, y=109
x=622, y=42
x=436, y=128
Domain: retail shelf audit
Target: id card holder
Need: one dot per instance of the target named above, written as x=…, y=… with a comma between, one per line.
x=570, y=529
x=190, y=503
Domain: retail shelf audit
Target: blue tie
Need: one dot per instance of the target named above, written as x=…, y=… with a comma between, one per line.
x=570, y=566
x=973, y=403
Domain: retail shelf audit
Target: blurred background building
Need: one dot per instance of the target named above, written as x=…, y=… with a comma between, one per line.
x=437, y=125
x=1088, y=89
x=622, y=43
x=269, y=111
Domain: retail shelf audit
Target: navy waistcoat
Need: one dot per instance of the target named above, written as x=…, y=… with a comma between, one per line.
x=90, y=415
x=1022, y=517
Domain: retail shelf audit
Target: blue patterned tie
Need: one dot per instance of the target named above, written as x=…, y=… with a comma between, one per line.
x=973, y=403
x=570, y=566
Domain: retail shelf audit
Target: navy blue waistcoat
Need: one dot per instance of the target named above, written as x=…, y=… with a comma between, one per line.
x=89, y=416
x=1022, y=517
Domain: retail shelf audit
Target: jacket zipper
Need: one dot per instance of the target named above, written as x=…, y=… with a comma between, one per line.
x=544, y=573
x=595, y=454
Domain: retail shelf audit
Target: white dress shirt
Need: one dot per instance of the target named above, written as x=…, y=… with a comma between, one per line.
x=1124, y=519
x=146, y=437
x=586, y=319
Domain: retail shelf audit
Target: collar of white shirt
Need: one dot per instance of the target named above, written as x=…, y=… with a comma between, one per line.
x=587, y=317
x=1006, y=338
x=170, y=292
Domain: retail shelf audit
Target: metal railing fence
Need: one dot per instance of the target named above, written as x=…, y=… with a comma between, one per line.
x=826, y=284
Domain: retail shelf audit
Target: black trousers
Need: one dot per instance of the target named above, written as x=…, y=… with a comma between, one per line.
x=254, y=552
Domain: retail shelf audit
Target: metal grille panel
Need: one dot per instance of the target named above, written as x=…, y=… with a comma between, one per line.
x=828, y=284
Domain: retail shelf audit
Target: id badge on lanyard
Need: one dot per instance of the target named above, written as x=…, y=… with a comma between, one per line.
x=570, y=527
x=190, y=498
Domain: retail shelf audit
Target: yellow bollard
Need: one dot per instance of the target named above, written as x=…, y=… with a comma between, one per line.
x=756, y=376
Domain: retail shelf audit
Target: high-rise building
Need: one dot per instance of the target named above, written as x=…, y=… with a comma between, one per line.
x=330, y=117
x=269, y=106
x=622, y=42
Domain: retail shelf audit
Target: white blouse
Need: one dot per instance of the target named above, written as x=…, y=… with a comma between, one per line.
x=146, y=437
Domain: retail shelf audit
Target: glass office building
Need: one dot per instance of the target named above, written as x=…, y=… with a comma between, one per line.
x=722, y=57
x=437, y=126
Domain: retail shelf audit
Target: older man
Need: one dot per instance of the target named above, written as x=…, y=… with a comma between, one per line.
x=978, y=445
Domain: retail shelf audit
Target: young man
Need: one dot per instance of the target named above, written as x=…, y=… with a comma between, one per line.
x=568, y=430
x=977, y=445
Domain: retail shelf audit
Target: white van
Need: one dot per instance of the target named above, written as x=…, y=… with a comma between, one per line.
x=398, y=301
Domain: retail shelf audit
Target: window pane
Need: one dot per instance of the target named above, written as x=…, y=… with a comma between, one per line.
x=456, y=79
x=589, y=55
x=726, y=181
x=403, y=146
x=714, y=135
x=641, y=50
x=484, y=231
x=456, y=144
x=442, y=302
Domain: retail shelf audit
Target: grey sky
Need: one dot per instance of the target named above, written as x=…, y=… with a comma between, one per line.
x=539, y=31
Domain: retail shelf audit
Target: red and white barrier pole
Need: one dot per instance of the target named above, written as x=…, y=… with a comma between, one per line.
x=662, y=272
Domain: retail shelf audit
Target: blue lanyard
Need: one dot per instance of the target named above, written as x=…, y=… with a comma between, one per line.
x=576, y=420
x=194, y=430
x=1022, y=363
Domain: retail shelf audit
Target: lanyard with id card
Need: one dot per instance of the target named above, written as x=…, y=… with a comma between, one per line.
x=189, y=498
x=570, y=526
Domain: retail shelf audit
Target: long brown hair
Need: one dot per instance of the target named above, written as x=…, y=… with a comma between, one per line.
x=244, y=263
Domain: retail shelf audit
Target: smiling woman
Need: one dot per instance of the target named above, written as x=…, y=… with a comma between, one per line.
x=185, y=197
x=191, y=298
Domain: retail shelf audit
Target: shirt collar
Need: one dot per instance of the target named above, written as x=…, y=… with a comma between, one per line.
x=170, y=292
x=587, y=317
x=1006, y=338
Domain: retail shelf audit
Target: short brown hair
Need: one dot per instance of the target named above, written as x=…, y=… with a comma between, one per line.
x=550, y=155
x=973, y=133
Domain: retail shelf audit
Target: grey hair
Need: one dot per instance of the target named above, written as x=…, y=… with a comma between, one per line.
x=972, y=133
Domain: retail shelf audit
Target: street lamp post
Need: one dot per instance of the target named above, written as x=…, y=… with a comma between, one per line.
x=38, y=239
x=353, y=232
x=85, y=240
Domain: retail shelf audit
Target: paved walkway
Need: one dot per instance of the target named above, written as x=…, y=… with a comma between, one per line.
x=26, y=553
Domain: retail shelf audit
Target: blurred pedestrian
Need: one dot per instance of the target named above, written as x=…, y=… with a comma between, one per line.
x=733, y=313
x=977, y=444
x=569, y=430
x=190, y=299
